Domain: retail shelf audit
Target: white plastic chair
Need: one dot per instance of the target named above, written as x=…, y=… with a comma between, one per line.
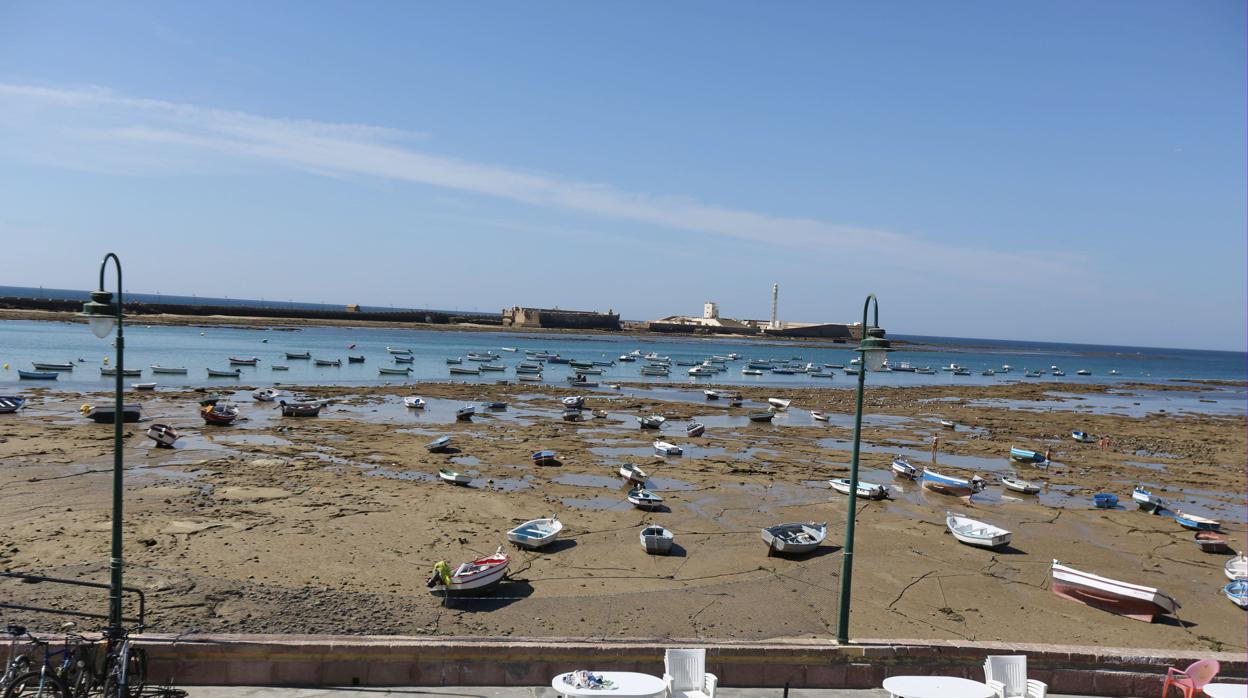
x=1006, y=675
x=684, y=672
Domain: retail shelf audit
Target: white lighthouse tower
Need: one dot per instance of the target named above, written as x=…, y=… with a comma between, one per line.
x=775, y=300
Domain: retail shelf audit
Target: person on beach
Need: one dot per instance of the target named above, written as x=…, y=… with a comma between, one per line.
x=935, y=447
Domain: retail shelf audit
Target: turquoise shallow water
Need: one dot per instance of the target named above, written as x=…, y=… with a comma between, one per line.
x=200, y=348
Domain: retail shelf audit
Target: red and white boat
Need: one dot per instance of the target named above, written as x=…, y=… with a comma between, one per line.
x=1130, y=600
x=220, y=413
x=479, y=575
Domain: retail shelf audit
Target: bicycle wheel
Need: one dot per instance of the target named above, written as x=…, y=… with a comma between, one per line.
x=37, y=684
x=136, y=676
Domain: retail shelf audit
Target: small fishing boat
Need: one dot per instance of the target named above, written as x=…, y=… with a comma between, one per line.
x=454, y=476
x=470, y=577
x=529, y=377
x=103, y=414
x=925, y=371
x=1147, y=500
x=143, y=386
x=734, y=401
x=1105, y=500
x=40, y=366
x=579, y=365
x=977, y=533
x=493, y=405
x=509, y=349
x=783, y=371
x=291, y=356
x=664, y=448
x=948, y=424
x=1083, y=372
x=761, y=416
x=654, y=371
x=1059, y=372
x=628, y=471
x=398, y=350
x=278, y=367
x=221, y=413
x=711, y=394
x=461, y=371
x=556, y=359
x=701, y=371
x=779, y=403
x=438, y=444
x=544, y=458
x=1237, y=592
x=300, y=409
x=579, y=381
x=1081, y=436
x=454, y=361
x=988, y=372
x=953, y=486
x=962, y=372
x=851, y=370
x=537, y=533
x=819, y=416
x=266, y=394
x=465, y=413
x=414, y=402
x=492, y=367
x=171, y=370
x=1032, y=374
x=1196, y=523
x=403, y=359
x=643, y=498
x=1211, y=542
x=866, y=490
x=572, y=414
x=903, y=469
x=656, y=540
x=127, y=372
x=1022, y=455
x=599, y=414
x=37, y=375
x=694, y=429
x=751, y=372
x=626, y=358
x=1113, y=371
x=653, y=421
x=11, y=403
x=391, y=371
x=1017, y=485
x=355, y=359
x=475, y=356
x=326, y=362
x=1237, y=567
x=1130, y=600
x=214, y=373
x=163, y=434
x=236, y=361
x=576, y=401
x=794, y=538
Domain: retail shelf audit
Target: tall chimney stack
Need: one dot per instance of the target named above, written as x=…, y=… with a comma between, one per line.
x=775, y=299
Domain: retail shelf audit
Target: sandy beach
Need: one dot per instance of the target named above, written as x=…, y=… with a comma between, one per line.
x=333, y=524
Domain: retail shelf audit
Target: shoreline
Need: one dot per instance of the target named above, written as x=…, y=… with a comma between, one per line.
x=332, y=524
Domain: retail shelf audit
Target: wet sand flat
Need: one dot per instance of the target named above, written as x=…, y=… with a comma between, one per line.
x=333, y=524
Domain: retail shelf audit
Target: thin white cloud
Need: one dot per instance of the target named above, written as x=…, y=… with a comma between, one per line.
x=103, y=118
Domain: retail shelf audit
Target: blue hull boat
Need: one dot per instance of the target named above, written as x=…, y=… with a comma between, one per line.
x=11, y=403
x=956, y=487
x=1196, y=523
x=1022, y=455
x=1237, y=592
x=1105, y=500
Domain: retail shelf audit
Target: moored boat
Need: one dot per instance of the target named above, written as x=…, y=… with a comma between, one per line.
x=1147, y=500
x=1237, y=567
x=761, y=416
x=948, y=424
x=653, y=421
x=794, y=538
x=239, y=361
x=1081, y=436
x=475, y=577
x=171, y=370
x=355, y=359
x=220, y=413
x=104, y=414
x=326, y=362
x=572, y=414
x=215, y=373
x=291, y=356
x=439, y=444
x=953, y=486
x=465, y=413
x=461, y=371
x=143, y=386
x=537, y=533
x=818, y=416
x=391, y=371
x=278, y=367
x=656, y=540
x=414, y=402
x=41, y=366
x=904, y=469
x=1237, y=592
x=574, y=401
x=1211, y=542
x=454, y=476
x=630, y=472
x=300, y=409
x=403, y=359
x=1196, y=523
x=11, y=403
x=529, y=377
x=1130, y=600
x=866, y=490
x=977, y=533
x=1012, y=483
x=693, y=429
x=544, y=458
x=643, y=498
x=163, y=434
x=1104, y=500
x=779, y=403
x=266, y=394
x=127, y=372
x=398, y=350
x=1023, y=455
x=664, y=448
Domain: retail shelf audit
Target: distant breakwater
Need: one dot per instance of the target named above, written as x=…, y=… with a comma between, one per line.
x=431, y=317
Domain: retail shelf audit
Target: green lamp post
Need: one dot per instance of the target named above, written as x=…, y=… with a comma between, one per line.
x=102, y=314
x=874, y=349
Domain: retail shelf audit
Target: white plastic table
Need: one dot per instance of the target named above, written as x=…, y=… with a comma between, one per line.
x=624, y=684
x=935, y=687
x=1226, y=690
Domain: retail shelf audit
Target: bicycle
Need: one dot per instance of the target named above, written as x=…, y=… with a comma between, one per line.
x=42, y=682
x=16, y=664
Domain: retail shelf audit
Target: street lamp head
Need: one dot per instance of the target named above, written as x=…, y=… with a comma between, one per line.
x=874, y=348
x=101, y=313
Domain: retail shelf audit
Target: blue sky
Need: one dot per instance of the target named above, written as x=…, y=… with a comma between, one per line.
x=1062, y=171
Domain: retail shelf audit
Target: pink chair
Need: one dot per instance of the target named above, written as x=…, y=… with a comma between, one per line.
x=1192, y=679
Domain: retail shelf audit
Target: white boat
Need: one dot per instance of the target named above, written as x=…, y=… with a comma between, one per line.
x=388, y=371
x=475, y=577
x=508, y=349
x=694, y=429
x=529, y=377
x=702, y=371
x=266, y=394
x=1083, y=372
x=628, y=471
x=163, y=435
x=143, y=386
x=1005, y=368
x=214, y=373
x=711, y=394
x=953, y=486
x=392, y=350
x=454, y=476
x=656, y=540
x=537, y=533
x=438, y=444
x=653, y=421
x=575, y=401
x=948, y=424
x=1081, y=436
x=779, y=403
x=664, y=448
x=976, y=533
x=818, y=416
x=751, y=372
x=794, y=538
x=1237, y=567
x=465, y=413
x=414, y=402
x=643, y=498
x=902, y=468
x=867, y=490
x=1130, y=600
x=1147, y=500
x=171, y=370
x=1013, y=483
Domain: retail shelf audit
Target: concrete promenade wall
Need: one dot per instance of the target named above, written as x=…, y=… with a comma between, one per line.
x=297, y=660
